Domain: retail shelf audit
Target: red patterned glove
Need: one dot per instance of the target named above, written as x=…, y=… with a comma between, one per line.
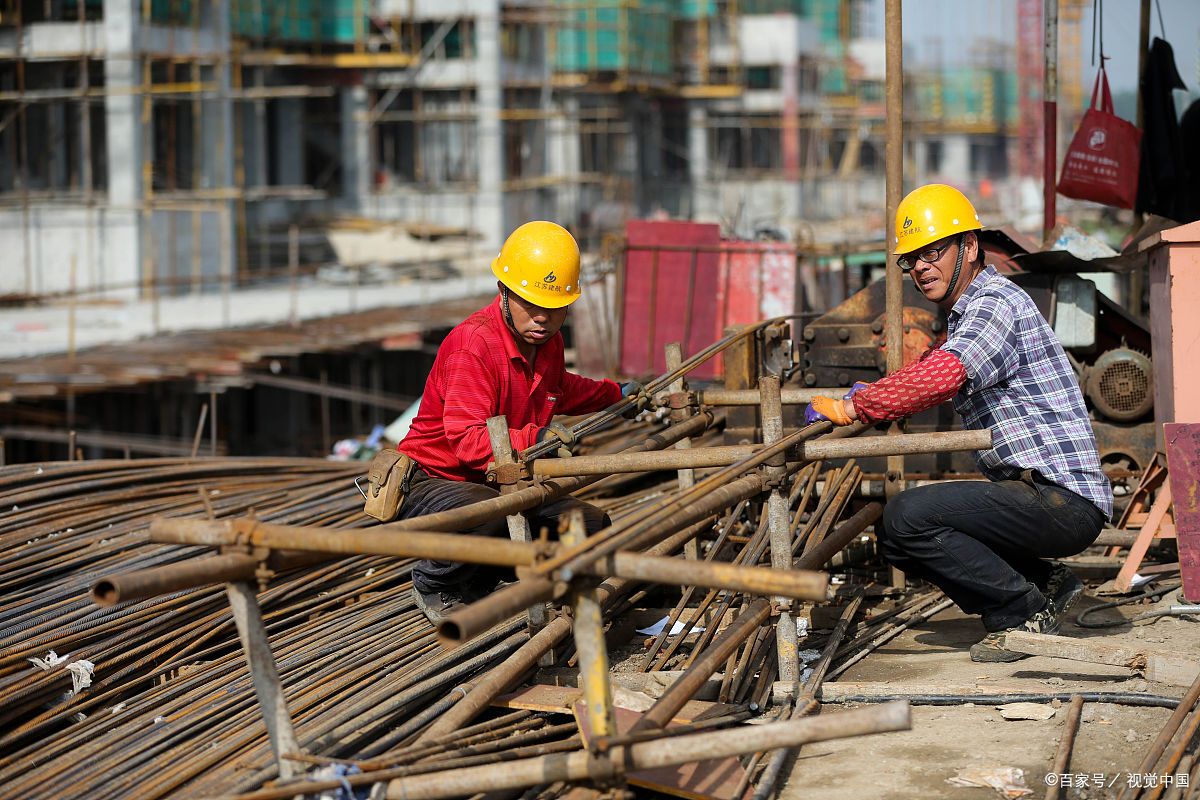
x=922, y=384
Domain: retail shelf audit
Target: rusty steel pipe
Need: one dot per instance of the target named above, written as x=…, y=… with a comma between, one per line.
x=796, y=584
x=751, y=397
x=524, y=499
x=682, y=690
x=482, y=615
x=1190, y=701
x=902, y=444
x=938, y=442
x=665, y=752
x=496, y=680
x=500, y=678
x=641, y=462
x=622, y=536
x=469, y=622
x=146, y=583
x=715, y=500
x=437, y=545
x=478, y=617
x=1066, y=744
x=843, y=535
x=293, y=541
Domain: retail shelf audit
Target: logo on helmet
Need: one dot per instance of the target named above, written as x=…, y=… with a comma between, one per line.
x=549, y=278
x=907, y=223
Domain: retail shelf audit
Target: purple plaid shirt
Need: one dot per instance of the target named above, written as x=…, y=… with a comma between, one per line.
x=1020, y=384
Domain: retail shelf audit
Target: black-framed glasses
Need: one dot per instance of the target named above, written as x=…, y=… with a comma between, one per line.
x=929, y=255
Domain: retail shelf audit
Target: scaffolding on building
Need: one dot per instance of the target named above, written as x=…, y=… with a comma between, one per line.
x=178, y=146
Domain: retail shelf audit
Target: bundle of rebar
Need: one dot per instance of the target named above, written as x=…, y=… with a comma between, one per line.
x=362, y=668
x=150, y=693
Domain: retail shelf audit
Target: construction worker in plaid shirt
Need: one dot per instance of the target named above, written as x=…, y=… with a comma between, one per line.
x=986, y=544
x=505, y=359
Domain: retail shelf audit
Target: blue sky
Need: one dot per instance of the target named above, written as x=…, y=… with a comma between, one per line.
x=931, y=26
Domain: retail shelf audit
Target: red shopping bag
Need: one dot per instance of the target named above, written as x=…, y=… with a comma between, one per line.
x=1102, y=162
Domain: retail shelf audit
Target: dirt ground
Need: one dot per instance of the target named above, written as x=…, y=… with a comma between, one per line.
x=946, y=739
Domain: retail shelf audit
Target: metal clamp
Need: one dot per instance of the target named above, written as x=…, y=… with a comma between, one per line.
x=773, y=477
x=507, y=474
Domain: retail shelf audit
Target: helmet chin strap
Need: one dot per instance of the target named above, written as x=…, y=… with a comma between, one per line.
x=957, y=265
x=507, y=312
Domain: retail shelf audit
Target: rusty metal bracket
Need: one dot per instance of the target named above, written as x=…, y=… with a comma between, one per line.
x=263, y=573
x=507, y=474
x=677, y=401
x=772, y=477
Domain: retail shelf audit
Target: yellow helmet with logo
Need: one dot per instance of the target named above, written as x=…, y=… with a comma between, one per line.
x=539, y=262
x=932, y=212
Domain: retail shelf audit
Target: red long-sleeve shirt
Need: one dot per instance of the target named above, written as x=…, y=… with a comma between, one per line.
x=479, y=373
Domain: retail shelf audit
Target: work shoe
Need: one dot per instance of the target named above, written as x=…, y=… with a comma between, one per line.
x=438, y=605
x=1063, y=589
x=991, y=648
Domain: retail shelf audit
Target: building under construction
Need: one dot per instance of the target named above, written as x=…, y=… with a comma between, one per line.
x=170, y=146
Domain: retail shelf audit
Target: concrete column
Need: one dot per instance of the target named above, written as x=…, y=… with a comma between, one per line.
x=57, y=135
x=489, y=214
x=356, y=144
x=697, y=154
x=789, y=134
x=218, y=160
x=920, y=157
x=289, y=141
x=650, y=145
x=956, y=155
x=563, y=156
x=122, y=118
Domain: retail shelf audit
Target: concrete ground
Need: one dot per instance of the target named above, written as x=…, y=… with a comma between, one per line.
x=946, y=739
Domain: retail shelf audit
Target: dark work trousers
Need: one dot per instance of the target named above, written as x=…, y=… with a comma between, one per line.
x=983, y=542
x=428, y=495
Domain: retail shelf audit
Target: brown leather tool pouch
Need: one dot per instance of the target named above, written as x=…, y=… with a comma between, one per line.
x=387, y=482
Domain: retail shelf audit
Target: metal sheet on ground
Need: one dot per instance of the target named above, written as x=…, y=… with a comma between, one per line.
x=712, y=779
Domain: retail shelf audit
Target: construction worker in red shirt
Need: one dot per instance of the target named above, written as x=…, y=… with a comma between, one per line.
x=505, y=359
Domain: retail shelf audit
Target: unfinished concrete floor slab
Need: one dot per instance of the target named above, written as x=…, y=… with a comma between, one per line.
x=1111, y=741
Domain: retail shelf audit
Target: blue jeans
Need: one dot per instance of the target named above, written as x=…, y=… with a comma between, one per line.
x=428, y=495
x=983, y=542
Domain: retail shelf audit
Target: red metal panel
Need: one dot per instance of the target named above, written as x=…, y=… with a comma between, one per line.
x=682, y=283
x=669, y=285
x=758, y=281
x=1183, y=470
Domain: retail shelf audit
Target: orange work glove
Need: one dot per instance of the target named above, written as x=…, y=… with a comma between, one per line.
x=830, y=408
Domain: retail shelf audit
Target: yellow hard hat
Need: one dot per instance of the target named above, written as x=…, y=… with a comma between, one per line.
x=539, y=262
x=932, y=212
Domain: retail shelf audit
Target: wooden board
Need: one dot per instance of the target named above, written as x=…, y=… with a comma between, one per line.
x=562, y=699
x=540, y=697
x=1150, y=530
x=651, y=683
x=1176, y=669
x=838, y=690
